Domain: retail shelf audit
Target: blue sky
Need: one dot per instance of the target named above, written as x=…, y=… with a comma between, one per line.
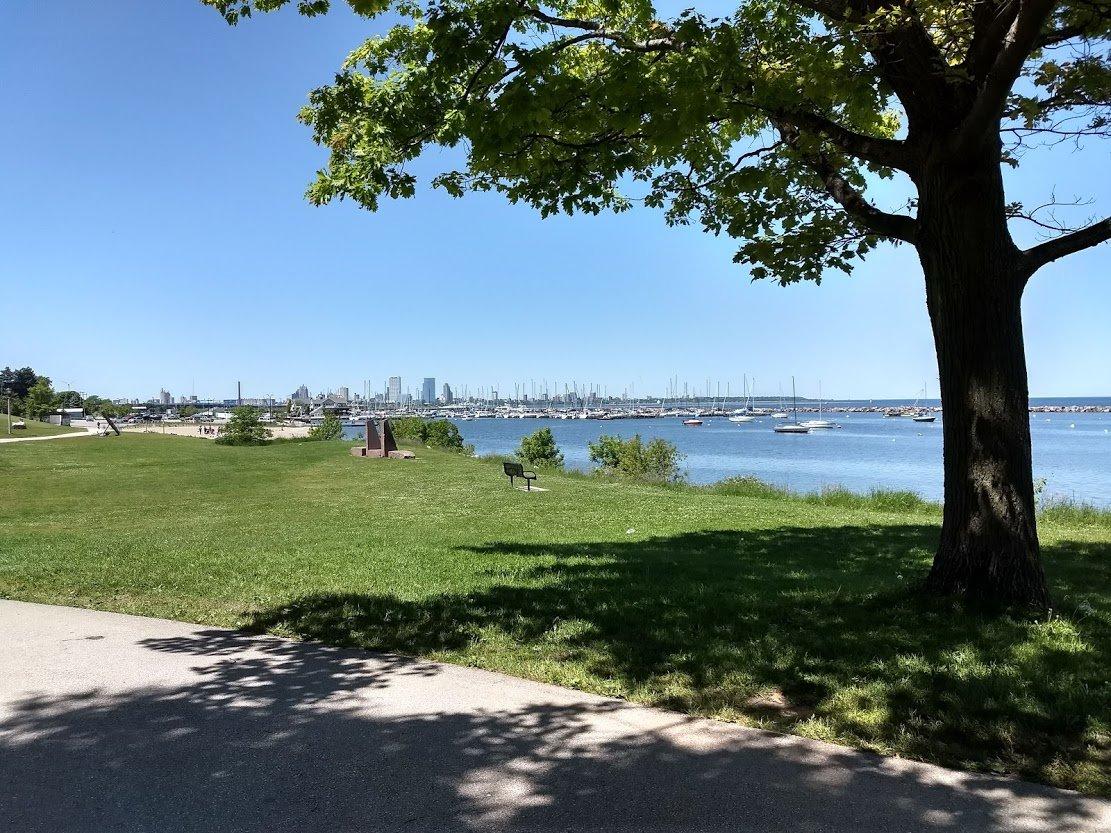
x=153, y=234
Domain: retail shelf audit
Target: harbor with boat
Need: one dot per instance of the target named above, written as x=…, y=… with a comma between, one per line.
x=870, y=450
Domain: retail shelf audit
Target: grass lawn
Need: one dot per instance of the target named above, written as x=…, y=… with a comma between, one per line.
x=742, y=604
x=34, y=428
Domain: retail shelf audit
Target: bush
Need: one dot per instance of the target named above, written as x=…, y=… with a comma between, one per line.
x=437, y=433
x=408, y=428
x=656, y=461
x=244, y=428
x=540, y=450
x=330, y=429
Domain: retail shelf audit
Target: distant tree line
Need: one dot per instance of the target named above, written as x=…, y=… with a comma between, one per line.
x=33, y=396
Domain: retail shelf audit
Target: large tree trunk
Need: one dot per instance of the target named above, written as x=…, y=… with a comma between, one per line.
x=974, y=281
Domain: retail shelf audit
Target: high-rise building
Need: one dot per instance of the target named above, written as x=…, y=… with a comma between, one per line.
x=393, y=390
x=428, y=391
x=342, y=394
x=302, y=394
x=448, y=398
x=164, y=398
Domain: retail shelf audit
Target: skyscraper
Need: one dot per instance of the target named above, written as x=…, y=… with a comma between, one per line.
x=447, y=396
x=393, y=391
x=428, y=391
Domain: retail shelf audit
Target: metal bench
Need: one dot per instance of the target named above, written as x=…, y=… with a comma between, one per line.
x=514, y=470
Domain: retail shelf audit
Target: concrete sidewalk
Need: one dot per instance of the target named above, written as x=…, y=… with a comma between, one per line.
x=43, y=438
x=120, y=723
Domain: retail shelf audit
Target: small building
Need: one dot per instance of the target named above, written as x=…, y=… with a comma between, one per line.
x=64, y=416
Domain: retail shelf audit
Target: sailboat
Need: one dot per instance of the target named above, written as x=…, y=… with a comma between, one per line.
x=792, y=427
x=780, y=414
x=819, y=422
x=923, y=415
x=747, y=415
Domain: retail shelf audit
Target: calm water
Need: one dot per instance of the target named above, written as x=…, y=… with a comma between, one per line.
x=1071, y=451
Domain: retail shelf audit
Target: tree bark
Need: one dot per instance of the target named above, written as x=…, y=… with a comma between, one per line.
x=988, y=550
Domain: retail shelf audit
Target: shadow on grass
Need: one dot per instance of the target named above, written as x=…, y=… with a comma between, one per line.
x=814, y=630
x=258, y=734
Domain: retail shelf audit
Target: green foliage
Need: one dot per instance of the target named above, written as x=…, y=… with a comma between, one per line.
x=330, y=429
x=19, y=382
x=40, y=399
x=408, y=428
x=438, y=433
x=656, y=461
x=244, y=428
x=539, y=449
x=763, y=125
x=443, y=433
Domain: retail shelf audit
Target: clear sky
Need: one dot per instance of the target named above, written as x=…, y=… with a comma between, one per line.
x=153, y=234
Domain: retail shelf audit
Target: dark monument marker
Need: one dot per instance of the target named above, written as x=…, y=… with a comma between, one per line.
x=379, y=442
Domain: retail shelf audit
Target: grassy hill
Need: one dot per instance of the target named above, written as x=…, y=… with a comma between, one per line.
x=738, y=602
x=34, y=428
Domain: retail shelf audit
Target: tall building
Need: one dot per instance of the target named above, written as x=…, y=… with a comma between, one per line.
x=393, y=391
x=341, y=394
x=448, y=398
x=428, y=391
x=301, y=394
x=164, y=398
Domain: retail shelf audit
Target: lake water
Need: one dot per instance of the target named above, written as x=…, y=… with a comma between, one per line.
x=1071, y=451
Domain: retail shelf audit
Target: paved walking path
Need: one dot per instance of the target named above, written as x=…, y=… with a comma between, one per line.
x=121, y=723
x=87, y=433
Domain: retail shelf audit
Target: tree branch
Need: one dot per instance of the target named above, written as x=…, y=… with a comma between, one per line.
x=598, y=31
x=1067, y=244
x=1020, y=40
x=891, y=153
x=992, y=27
x=898, y=226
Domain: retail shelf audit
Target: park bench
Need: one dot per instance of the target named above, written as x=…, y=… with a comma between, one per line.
x=514, y=470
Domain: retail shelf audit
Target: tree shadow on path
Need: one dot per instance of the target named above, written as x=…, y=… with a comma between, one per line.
x=819, y=628
x=265, y=735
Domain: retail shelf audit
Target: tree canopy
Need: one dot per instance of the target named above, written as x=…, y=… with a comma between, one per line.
x=765, y=125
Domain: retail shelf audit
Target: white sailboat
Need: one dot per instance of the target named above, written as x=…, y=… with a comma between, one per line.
x=746, y=415
x=781, y=413
x=819, y=422
x=792, y=427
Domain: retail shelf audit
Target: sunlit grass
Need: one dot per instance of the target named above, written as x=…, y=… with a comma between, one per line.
x=739, y=601
x=33, y=428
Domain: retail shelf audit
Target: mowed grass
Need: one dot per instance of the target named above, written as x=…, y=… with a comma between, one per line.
x=34, y=428
x=739, y=603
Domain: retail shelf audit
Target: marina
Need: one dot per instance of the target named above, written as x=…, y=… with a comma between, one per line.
x=1071, y=447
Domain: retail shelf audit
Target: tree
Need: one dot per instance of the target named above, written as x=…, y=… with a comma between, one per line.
x=540, y=449
x=330, y=429
x=244, y=428
x=768, y=126
x=19, y=382
x=656, y=461
x=443, y=433
x=69, y=399
x=40, y=399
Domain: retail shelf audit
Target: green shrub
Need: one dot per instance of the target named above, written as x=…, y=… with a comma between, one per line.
x=656, y=461
x=330, y=429
x=408, y=428
x=540, y=450
x=437, y=433
x=244, y=428
x=443, y=433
